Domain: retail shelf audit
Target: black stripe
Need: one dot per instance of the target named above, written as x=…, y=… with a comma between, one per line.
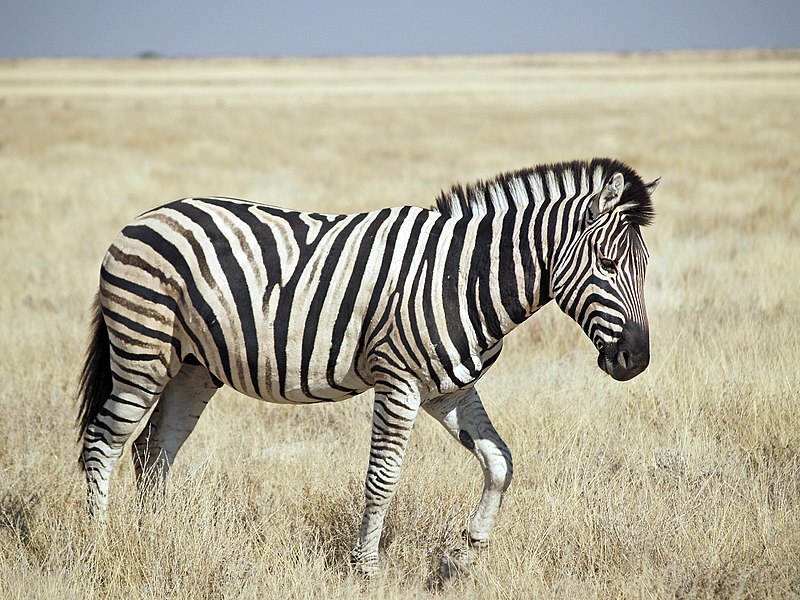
x=526, y=255
x=453, y=298
x=136, y=373
x=119, y=400
x=600, y=300
x=483, y=281
x=130, y=383
x=490, y=361
x=506, y=269
x=135, y=356
x=479, y=264
x=105, y=412
x=541, y=233
x=414, y=326
x=432, y=257
x=141, y=329
x=581, y=279
x=107, y=428
x=407, y=347
x=386, y=383
x=385, y=410
x=391, y=359
x=402, y=280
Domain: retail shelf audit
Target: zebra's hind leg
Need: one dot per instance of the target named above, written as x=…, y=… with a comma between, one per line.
x=463, y=415
x=110, y=426
x=182, y=402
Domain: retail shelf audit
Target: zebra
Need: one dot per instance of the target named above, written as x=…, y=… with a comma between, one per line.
x=302, y=307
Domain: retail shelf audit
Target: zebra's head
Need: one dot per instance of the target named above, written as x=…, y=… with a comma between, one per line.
x=598, y=278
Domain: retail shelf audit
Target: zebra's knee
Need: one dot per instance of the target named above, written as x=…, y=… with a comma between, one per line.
x=500, y=476
x=499, y=467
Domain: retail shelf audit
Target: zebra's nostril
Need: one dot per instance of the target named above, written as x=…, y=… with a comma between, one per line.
x=624, y=358
x=599, y=344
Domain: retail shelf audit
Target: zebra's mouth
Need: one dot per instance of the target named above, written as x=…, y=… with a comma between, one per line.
x=621, y=367
x=626, y=358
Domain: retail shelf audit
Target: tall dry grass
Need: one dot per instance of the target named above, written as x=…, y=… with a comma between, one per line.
x=683, y=482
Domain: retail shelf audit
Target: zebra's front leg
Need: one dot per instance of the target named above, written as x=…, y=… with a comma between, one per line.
x=393, y=418
x=463, y=415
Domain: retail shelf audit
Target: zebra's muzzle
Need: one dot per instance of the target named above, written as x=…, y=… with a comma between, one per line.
x=629, y=356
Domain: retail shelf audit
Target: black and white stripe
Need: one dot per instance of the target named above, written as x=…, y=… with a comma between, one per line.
x=299, y=308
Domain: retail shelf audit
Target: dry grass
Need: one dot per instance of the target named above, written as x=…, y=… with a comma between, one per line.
x=684, y=482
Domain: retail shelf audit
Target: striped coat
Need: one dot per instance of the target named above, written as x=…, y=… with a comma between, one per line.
x=414, y=303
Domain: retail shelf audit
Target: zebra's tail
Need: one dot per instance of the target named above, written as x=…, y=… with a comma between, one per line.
x=95, y=383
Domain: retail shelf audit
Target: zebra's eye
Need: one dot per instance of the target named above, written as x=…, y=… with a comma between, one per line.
x=608, y=265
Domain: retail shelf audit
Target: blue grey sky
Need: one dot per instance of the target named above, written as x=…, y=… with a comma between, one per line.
x=182, y=28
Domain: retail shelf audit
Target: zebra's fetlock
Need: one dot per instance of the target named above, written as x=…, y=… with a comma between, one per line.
x=366, y=565
x=474, y=542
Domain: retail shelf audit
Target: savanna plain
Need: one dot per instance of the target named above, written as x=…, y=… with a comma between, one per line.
x=684, y=482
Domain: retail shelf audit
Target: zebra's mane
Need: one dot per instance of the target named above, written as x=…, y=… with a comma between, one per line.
x=514, y=187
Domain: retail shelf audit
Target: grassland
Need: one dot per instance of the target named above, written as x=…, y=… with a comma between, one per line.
x=684, y=482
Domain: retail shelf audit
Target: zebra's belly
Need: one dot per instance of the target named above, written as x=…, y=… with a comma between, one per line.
x=314, y=392
x=319, y=392
x=287, y=376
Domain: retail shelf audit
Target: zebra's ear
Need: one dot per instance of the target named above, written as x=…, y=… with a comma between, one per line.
x=651, y=187
x=611, y=193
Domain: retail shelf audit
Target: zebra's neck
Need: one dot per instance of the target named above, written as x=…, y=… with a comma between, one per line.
x=509, y=238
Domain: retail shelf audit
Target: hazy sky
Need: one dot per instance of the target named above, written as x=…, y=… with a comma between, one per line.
x=303, y=28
